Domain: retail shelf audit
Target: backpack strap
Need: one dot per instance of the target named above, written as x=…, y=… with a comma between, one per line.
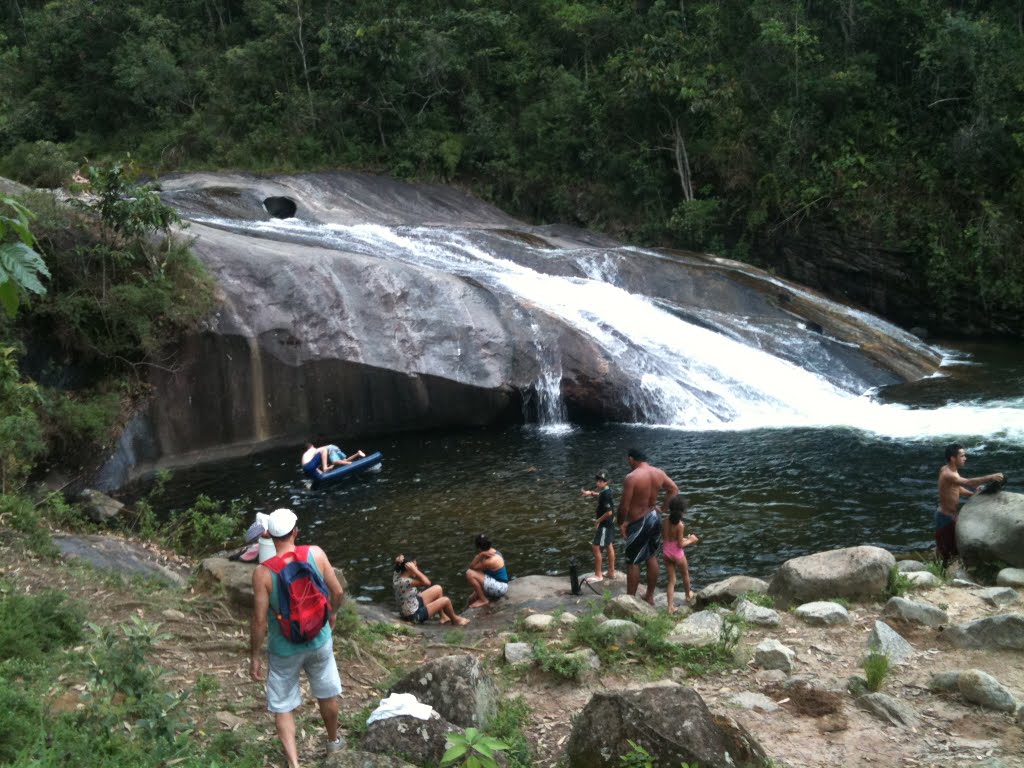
x=278, y=562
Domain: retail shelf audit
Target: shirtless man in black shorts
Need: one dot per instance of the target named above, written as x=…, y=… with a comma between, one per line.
x=640, y=521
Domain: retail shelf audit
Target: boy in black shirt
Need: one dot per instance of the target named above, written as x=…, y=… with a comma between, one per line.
x=604, y=526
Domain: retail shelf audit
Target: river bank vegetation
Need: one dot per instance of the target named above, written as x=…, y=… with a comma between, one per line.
x=872, y=149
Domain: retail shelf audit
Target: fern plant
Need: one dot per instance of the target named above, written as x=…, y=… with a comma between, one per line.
x=21, y=268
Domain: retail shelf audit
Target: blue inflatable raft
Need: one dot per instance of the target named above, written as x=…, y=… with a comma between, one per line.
x=347, y=470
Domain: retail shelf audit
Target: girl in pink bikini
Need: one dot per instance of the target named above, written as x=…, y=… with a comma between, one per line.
x=673, y=534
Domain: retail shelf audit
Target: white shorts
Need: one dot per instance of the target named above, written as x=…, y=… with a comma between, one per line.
x=494, y=588
x=283, y=693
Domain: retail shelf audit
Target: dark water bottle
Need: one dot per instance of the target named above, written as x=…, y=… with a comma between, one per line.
x=574, y=577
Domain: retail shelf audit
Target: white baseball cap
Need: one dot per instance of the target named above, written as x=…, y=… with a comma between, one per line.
x=281, y=522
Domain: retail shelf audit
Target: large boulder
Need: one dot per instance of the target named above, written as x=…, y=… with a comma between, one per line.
x=853, y=572
x=235, y=578
x=421, y=742
x=991, y=529
x=672, y=723
x=457, y=687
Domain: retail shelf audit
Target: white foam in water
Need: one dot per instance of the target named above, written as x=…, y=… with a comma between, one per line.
x=688, y=377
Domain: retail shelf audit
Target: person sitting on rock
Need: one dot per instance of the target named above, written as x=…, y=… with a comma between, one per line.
x=486, y=574
x=415, y=606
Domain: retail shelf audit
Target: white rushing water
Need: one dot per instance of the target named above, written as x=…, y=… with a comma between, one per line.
x=688, y=377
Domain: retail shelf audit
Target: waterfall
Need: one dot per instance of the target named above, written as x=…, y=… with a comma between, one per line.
x=685, y=375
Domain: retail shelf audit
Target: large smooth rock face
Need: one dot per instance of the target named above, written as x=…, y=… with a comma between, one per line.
x=353, y=340
x=852, y=572
x=457, y=687
x=991, y=529
x=672, y=723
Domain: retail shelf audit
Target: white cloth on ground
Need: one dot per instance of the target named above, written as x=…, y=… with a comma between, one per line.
x=399, y=704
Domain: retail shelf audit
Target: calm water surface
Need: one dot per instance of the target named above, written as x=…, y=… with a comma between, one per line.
x=757, y=497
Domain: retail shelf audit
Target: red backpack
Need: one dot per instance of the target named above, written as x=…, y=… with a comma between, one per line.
x=302, y=598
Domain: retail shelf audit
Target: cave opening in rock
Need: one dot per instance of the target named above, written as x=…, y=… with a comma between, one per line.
x=280, y=207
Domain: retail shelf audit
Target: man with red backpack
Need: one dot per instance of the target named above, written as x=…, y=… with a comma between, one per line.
x=296, y=599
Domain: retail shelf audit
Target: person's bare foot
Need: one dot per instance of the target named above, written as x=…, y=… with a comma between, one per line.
x=460, y=621
x=671, y=610
x=478, y=603
x=599, y=577
x=689, y=596
x=444, y=619
x=612, y=575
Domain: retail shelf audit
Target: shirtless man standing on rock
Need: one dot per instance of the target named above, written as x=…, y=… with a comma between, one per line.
x=640, y=521
x=951, y=488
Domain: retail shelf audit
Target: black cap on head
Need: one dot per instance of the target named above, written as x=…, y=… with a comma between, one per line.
x=602, y=474
x=636, y=454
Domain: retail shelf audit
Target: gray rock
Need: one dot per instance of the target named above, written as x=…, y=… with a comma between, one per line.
x=888, y=709
x=885, y=640
x=997, y=597
x=538, y=621
x=991, y=529
x=628, y=607
x=981, y=688
x=771, y=654
x=770, y=676
x=518, y=653
x=114, y=554
x=591, y=661
x=619, y=630
x=726, y=591
x=420, y=741
x=902, y=609
x=963, y=584
x=852, y=572
x=357, y=758
x=567, y=619
x=457, y=687
x=755, y=614
x=700, y=629
x=823, y=614
x=910, y=566
x=1010, y=577
x=751, y=700
x=923, y=580
x=945, y=682
x=671, y=722
x=1005, y=632
x=98, y=506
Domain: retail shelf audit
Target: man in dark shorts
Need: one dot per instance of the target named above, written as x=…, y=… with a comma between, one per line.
x=951, y=488
x=640, y=519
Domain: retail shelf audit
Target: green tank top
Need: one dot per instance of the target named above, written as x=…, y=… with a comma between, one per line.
x=276, y=642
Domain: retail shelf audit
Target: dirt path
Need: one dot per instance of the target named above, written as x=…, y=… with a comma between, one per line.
x=208, y=648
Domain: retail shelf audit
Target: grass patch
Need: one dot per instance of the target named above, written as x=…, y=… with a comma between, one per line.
x=354, y=724
x=758, y=598
x=898, y=584
x=558, y=662
x=34, y=626
x=876, y=668
x=507, y=725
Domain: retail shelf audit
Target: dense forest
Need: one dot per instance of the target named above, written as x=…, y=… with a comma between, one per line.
x=870, y=147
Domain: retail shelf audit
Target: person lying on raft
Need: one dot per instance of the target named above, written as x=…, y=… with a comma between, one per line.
x=415, y=606
x=316, y=461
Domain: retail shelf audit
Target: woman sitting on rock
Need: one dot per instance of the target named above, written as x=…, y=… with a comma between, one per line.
x=416, y=606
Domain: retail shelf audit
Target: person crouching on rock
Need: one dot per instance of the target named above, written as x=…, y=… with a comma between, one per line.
x=415, y=606
x=486, y=574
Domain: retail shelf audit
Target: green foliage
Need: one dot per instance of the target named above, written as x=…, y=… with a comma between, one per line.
x=33, y=626
x=21, y=515
x=507, y=725
x=21, y=437
x=21, y=268
x=128, y=211
x=898, y=584
x=354, y=724
x=876, y=667
x=758, y=598
x=117, y=663
x=204, y=527
x=472, y=749
x=38, y=164
x=935, y=568
x=557, y=662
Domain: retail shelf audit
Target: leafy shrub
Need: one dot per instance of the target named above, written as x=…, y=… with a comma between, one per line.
x=204, y=527
x=22, y=516
x=876, y=667
x=33, y=626
x=75, y=422
x=38, y=164
x=21, y=268
x=19, y=714
x=507, y=725
x=21, y=436
x=557, y=662
x=472, y=749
